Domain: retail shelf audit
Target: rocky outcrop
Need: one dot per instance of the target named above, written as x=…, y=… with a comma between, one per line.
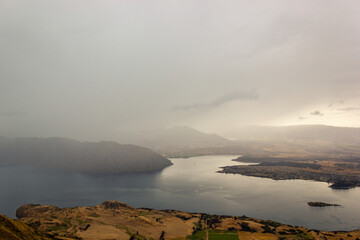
x=33, y=209
x=115, y=205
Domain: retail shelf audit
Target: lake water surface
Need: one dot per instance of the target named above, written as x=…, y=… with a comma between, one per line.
x=191, y=184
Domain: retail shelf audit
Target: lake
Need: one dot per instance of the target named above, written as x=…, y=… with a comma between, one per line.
x=191, y=184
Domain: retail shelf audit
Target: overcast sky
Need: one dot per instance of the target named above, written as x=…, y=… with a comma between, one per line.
x=83, y=69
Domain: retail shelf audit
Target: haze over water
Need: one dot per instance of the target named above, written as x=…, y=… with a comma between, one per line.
x=191, y=184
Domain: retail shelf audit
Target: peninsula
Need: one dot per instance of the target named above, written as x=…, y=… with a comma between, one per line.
x=95, y=158
x=340, y=174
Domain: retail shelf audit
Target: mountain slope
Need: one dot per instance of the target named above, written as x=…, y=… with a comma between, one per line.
x=84, y=157
x=15, y=230
x=173, y=139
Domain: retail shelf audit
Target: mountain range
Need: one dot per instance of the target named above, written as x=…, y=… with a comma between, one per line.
x=302, y=140
x=107, y=157
x=313, y=133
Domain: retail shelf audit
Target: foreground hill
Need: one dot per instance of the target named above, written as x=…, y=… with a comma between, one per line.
x=83, y=157
x=15, y=230
x=116, y=220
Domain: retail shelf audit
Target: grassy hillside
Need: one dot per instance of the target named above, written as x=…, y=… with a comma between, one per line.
x=116, y=220
x=15, y=230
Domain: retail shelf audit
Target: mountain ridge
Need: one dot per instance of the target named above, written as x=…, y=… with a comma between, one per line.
x=175, y=139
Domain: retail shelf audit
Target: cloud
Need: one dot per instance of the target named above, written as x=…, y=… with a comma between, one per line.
x=317, y=113
x=336, y=103
x=302, y=118
x=238, y=95
x=12, y=114
x=348, y=109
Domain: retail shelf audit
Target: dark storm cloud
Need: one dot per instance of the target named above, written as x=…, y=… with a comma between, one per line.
x=317, y=113
x=238, y=95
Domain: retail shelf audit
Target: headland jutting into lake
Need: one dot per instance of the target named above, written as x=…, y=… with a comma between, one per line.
x=340, y=173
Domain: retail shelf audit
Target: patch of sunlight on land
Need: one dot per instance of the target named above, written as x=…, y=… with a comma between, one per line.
x=256, y=236
x=223, y=235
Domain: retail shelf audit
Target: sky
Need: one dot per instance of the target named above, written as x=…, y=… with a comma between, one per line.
x=84, y=69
